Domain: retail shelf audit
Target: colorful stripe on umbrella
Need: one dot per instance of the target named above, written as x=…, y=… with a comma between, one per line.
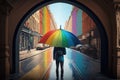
x=60, y=38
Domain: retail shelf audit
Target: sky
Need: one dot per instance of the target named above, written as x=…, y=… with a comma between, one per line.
x=61, y=13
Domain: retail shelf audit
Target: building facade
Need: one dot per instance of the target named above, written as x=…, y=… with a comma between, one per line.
x=35, y=27
x=74, y=23
x=80, y=24
x=47, y=21
x=90, y=33
x=29, y=35
x=74, y=19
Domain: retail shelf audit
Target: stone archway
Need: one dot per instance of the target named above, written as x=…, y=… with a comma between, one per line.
x=96, y=11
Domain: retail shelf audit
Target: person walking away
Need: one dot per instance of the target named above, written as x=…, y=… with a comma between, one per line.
x=58, y=55
x=28, y=49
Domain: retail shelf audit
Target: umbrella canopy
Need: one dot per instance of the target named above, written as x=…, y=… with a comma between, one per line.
x=60, y=38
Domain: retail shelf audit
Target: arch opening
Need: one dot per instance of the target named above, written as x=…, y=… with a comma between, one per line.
x=103, y=36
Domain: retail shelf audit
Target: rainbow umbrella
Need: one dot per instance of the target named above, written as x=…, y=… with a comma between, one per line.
x=60, y=38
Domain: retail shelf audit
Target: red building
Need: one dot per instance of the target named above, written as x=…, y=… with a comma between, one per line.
x=90, y=33
x=87, y=23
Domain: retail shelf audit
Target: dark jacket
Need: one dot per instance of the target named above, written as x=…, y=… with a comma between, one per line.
x=58, y=53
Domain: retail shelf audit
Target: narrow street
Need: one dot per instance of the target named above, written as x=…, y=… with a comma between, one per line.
x=40, y=65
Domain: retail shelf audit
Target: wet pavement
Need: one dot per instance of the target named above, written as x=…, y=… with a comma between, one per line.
x=71, y=67
x=77, y=66
x=70, y=73
x=33, y=65
x=25, y=54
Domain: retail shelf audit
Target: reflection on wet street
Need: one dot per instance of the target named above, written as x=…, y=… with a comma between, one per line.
x=77, y=66
x=81, y=68
x=69, y=72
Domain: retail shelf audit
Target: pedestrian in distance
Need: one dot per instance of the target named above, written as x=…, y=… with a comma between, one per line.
x=58, y=55
x=28, y=49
